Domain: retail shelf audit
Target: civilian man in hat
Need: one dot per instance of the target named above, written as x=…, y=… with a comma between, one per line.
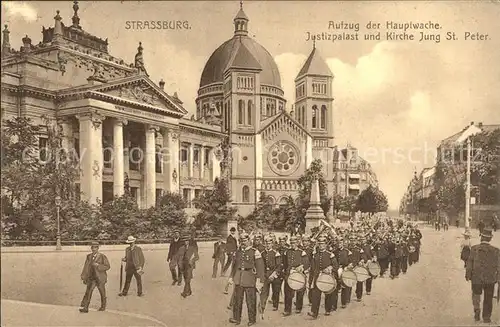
x=231, y=247
x=94, y=274
x=134, y=264
x=174, y=258
x=219, y=256
x=189, y=257
x=483, y=271
x=247, y=274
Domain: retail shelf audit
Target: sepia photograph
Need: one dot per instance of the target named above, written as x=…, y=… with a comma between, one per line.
x=256, y=163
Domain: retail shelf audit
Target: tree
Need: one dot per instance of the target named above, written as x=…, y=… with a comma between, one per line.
x=262, y=215
x=304, y=182
x=372, y=200
x=213, y=205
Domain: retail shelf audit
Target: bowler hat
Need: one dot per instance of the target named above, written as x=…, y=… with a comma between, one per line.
x=487, y=232
x=232, y=229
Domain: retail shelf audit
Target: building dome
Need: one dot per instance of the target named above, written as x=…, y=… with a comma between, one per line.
x=218, y=61
x=220, y=58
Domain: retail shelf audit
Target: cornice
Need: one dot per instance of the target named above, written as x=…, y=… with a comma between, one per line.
x=31, y=90
x=198, y=130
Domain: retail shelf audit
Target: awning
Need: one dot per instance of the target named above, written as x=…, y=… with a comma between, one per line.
x=355, y=176
x=354, y=187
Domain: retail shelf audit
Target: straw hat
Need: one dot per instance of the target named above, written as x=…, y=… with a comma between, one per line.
x=130, y=239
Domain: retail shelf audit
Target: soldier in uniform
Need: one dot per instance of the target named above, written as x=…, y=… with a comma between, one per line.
x=323, y=261
x=405, y=253
x=273, y=267
x=383, y=255
x=366, y=256
x=483, y=271
x=356, y=260
x=295, y=259
x=94, y=274
x=258, y=242
x=308, y=247
x=247, y=274
x=396, y=252
x=344, y=260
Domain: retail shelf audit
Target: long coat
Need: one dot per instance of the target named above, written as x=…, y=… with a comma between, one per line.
x=100, y=269
x=137, y=258
x=483, y=266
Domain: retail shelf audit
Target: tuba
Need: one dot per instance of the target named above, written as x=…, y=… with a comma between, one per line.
x=323, y=225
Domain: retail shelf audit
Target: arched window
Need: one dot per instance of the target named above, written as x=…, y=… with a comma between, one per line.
x=314, y=116
x=245, y=194
x=323, y=117
x=283, y=203
x=241, y=111
x=249, y=108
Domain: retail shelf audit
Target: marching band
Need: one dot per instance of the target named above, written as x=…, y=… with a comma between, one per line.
x=333, y=261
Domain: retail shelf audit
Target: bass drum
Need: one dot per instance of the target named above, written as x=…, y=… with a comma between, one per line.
x=296, y=281
x=362, y=273
x=374, y=268
x=349, y=278
x=326, y=283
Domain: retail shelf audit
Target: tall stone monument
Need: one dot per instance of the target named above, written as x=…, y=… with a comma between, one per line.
x=314, y=213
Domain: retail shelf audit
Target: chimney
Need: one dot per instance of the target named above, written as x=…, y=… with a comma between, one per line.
x=480, y=125
x=471, y=123
x=26, y=44
x=162, y=84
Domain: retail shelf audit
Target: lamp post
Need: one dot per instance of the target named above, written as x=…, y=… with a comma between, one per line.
x=58, y=236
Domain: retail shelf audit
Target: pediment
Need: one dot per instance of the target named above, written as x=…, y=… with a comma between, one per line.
x=144, y=91
x=283, y=123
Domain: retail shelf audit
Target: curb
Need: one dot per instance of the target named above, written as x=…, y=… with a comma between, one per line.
x=121, y=313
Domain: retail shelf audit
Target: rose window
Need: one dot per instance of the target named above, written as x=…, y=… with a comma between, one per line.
x=283, y=158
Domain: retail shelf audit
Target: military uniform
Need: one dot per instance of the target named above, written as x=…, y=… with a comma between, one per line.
x=404, y=257
x=247, y=267
x=273, y=267
x=366, y=255
x=294, y=258
x=322, y=260
x=344, y=259
x=396, y=252
x=382, y=250
x=308, y=247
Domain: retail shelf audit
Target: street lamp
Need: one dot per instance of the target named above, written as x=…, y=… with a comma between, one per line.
x=466, y=136
x=58, y=237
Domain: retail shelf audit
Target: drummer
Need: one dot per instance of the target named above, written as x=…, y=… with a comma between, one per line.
x=324, y=262
x=344, y=259
x=296, y=260
x=366, y=256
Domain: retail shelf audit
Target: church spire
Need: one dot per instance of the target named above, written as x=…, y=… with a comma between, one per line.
x=76, y=19
x=5, y=42
x=241, y=22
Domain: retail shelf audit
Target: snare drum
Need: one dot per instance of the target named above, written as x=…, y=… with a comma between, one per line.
x=326, y=283
x=349, y=278
x=362, y=273
x=374, y=268
x=296, y=281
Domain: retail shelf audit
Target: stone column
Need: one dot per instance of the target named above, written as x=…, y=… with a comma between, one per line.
x=118, y=157
x=190, y=160
x=149, y=167
x=201, y=154
x=170, y=160
x=91, y=158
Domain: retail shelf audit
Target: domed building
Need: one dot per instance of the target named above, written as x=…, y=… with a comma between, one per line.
x=243, y=129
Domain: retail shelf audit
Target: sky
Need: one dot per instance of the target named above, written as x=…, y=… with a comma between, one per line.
x=394, y=100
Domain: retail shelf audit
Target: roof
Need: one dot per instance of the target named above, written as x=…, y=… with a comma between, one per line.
x=241, y=15
x=315, y=65
x=456, y=136
x=243, y=58
x=269, y=121
x=216, y=65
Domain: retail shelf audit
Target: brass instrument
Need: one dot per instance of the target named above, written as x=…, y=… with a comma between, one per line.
x=323, y=225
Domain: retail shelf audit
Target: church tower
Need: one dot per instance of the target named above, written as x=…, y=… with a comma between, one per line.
x=313, y=98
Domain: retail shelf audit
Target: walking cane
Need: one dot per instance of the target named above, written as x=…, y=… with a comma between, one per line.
x=121, y=276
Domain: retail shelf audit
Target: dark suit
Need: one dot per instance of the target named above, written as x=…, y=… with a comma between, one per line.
x=174, y=260
x=219, y=257
x=483, y=270
x=134, y=260
x=189, y=258
x=95, y=275
x=231, y=247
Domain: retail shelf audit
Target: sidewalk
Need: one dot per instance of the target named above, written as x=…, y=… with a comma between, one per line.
x=17, y=313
